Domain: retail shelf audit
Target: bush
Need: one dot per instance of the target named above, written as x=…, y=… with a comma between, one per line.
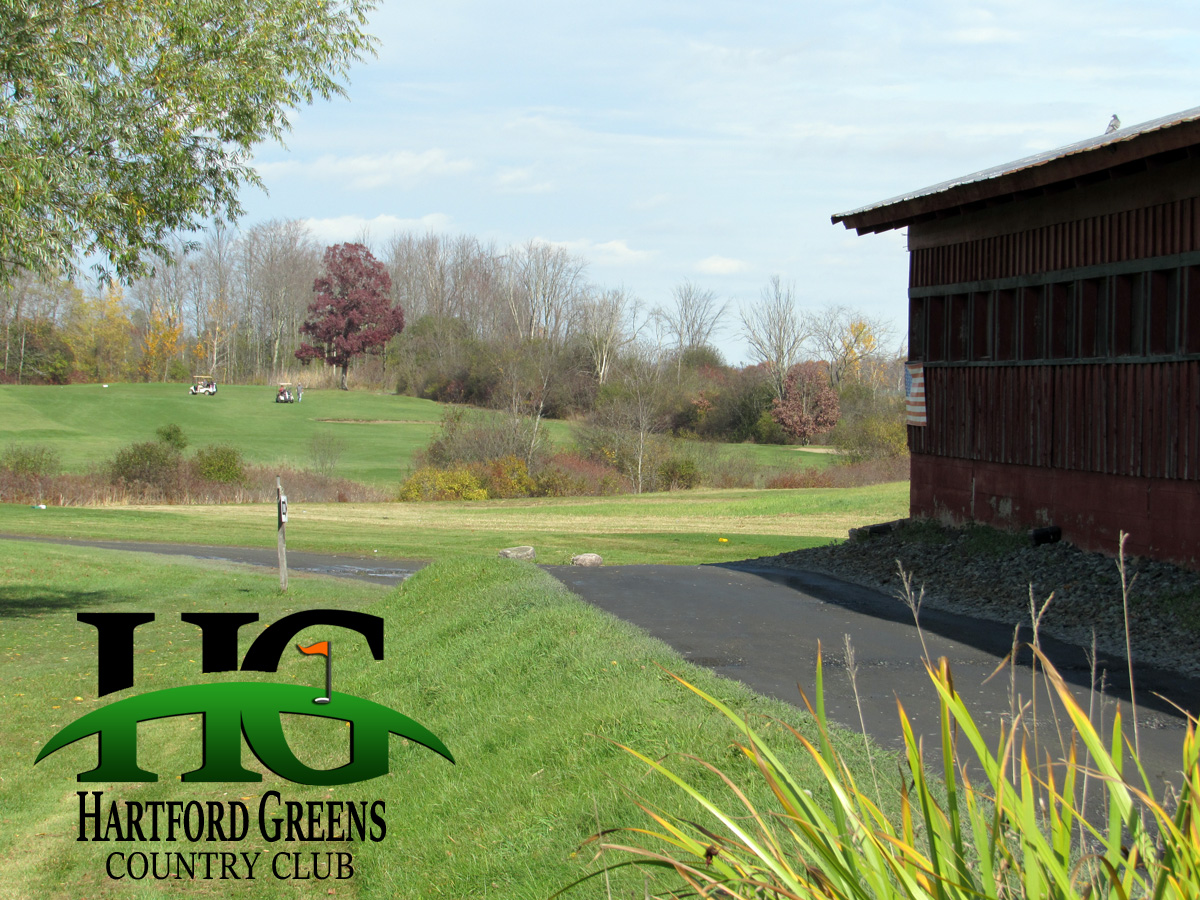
x=173, y=435
x=767, y=431
x=326, y=448
x=798, y=479
x=431, y=483
x=505, y=478
x=472, y=437
x=678, y=473
x=177, y=371
x=219, y=463
x=151, y=463
x=871, y=437
x=30, y=460
x=570, y=475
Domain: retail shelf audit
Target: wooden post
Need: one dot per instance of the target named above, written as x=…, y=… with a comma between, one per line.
x=281, y=521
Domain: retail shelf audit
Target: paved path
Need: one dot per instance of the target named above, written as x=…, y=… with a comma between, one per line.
x=762, y=626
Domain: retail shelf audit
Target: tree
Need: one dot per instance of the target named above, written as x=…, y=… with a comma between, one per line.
x=99, y=333
x=603, y=319
x=692, y=320
x=125, y=121
x=352, y=314
x=846, y=338
x=776, y=332
x=634, y=411
x=810, y=404
x=544, y=286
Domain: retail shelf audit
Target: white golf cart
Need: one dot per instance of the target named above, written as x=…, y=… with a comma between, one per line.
x=203, y=384
x=285, y=394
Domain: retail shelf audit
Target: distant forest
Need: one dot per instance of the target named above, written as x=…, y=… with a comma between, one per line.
x=520, y=329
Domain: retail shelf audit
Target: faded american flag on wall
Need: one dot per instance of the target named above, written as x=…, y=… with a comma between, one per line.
x=914, y=392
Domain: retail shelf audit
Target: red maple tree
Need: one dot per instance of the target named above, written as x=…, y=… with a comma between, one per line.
x=352, y=314
x=810, y=404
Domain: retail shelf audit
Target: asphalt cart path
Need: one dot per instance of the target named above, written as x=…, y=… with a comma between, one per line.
x=763, y=625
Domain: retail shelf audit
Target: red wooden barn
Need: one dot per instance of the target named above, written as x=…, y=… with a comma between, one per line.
x=1054, y=319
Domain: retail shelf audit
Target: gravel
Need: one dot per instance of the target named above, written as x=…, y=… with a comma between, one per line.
x=990, y=574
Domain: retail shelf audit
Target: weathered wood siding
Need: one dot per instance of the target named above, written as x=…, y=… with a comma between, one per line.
x=1116, y=418
x=1161, y=230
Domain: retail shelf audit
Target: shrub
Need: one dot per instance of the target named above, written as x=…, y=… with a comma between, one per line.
x=871, y=437
x=505, y=478
x=432, y=483
x=798, y=479
x=556, y=482
x=151, y=463
x=178, y=371
x=767, y=431
x=220, y=463
x=30, y=460
x=325, y=449
x=173, y=435
x=570, y=475
x=473, y=437
x=678, y=472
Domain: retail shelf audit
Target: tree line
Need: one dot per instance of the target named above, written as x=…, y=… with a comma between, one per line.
x=520, y=329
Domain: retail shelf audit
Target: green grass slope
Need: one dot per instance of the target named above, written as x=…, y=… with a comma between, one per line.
x=88, y=423
x=527, y=685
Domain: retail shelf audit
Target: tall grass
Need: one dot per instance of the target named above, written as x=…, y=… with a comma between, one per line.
x=1016, y=831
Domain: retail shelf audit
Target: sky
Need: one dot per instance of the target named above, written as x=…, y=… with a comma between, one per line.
x=711, y=141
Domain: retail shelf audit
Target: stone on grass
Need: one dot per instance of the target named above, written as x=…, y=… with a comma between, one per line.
x=518, y=553
x=587, y=559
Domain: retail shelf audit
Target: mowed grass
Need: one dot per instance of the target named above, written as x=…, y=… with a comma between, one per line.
x=526, y=684
x=683, y=527
x=88, y=423
x=380, y=433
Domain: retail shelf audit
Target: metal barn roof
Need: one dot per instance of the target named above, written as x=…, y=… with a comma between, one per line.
x=1106, y=156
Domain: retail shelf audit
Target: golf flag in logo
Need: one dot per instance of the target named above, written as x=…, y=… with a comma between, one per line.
x=322, y=648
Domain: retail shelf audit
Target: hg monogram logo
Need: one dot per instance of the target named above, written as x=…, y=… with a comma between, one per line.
x=235, y=710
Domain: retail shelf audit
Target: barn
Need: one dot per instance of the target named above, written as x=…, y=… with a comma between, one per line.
x=1054, y=325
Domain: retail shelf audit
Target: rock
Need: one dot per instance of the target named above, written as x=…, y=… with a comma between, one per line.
x=587, y=559
x=518, y=553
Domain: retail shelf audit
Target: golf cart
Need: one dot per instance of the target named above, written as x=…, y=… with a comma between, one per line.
x=285, y=394
x=203, y=384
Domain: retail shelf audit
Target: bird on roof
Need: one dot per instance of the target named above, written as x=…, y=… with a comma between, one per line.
x=1113, y=124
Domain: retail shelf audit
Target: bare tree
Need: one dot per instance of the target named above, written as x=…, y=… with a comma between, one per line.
x=213, y=299
x=693, y=318
x=279, y=260
x=604, y=326
x=639, y=411
x=776, y=332
x=544, y=285
x=847, y=339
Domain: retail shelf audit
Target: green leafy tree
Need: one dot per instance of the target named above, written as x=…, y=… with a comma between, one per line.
x=123, y=121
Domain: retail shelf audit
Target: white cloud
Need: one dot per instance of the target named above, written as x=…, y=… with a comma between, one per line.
x=522, y=181
x=606, y=253
x=401, y=167
x=720, y=265
x=352, y=228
